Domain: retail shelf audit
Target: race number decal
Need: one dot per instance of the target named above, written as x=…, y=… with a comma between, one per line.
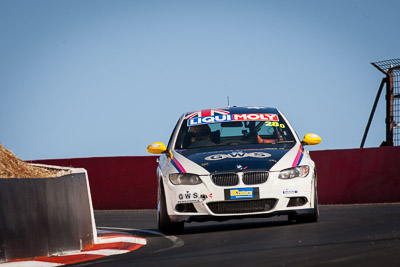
x=274, y=124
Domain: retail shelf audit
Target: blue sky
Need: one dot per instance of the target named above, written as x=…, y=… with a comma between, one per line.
x=106, y=78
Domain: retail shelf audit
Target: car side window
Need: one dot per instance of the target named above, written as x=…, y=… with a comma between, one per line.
x=173, y=133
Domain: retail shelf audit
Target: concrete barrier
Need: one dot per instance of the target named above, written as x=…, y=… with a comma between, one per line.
x=370, y=175
x=45, y=216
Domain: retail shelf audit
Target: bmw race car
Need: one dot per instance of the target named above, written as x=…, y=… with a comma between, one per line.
x=234, y=162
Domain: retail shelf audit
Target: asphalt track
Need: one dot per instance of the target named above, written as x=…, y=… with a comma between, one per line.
x=348, y=235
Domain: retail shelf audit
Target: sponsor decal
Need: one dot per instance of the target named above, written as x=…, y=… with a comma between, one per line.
x=238, y=155
x=291, y=192
x=206, y=113
x=295, y=192
x=188, y=197
x=242, y=193
x=193, y=121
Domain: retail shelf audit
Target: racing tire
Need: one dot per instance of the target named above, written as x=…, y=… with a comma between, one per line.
x=165, y=225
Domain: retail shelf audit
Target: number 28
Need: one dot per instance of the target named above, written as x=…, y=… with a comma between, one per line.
x=274, y=124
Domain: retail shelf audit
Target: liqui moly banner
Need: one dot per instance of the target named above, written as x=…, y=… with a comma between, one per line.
x=233, y=117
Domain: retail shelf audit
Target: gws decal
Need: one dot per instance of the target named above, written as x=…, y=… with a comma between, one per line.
x=188, y=196
x=238, y=155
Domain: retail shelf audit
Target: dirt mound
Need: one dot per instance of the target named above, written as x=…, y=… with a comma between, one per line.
x=13, y=167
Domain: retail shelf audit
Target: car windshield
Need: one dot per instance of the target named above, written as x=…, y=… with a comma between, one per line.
x=233, y=133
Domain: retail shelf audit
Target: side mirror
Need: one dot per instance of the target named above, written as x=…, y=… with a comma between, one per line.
x=311, y=139
x=156, y=148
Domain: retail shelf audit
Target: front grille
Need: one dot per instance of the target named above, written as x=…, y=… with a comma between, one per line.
x=250, y=178
x=225, y=179
x=232, y=179
x=242, y=206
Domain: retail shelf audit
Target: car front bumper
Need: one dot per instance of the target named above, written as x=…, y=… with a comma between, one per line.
x=211, y=202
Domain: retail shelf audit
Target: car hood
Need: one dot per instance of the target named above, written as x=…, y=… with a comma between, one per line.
x=235, y=160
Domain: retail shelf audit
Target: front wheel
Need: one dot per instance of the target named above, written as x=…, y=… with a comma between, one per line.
x=165, y=225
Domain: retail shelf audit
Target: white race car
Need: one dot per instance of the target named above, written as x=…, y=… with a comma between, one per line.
x=234, y=162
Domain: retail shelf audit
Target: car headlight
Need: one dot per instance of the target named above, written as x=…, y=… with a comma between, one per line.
x=184, y=179
x=300, y=171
